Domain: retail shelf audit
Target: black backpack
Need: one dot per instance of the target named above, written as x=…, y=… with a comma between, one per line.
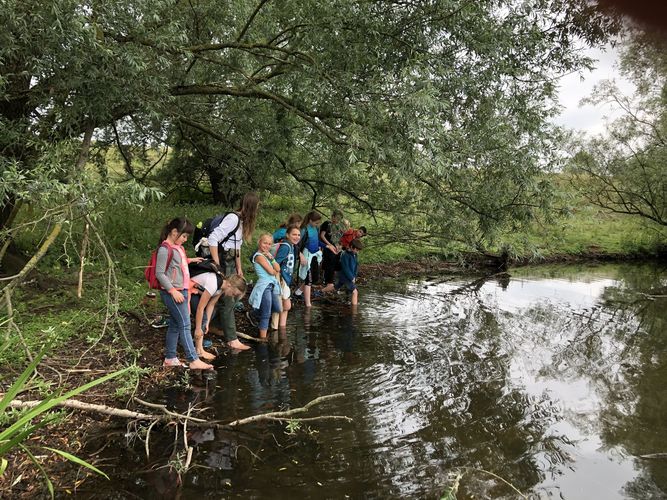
x=205, y=228
x=206, y=266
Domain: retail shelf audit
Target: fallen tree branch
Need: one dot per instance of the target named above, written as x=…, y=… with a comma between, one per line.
x=170, y=416
x=83, y=406
x=287, y=414
x=171, y=413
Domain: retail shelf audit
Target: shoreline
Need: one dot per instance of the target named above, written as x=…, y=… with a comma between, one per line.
x=66, y=368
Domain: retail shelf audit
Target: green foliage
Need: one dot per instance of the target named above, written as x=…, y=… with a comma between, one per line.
x=625, y=170
x=581, y=230
x=15, y=434
x=433, y=110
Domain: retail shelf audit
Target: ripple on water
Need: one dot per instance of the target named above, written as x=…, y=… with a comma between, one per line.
x=545, y=381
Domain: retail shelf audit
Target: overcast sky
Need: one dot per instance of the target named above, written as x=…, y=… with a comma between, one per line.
x=588, y=118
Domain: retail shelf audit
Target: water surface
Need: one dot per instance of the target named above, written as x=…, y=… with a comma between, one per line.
x=553, y=379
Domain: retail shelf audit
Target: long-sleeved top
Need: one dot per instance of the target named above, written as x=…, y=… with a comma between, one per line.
x=177, y=275
x=286, y=257
x=224, y=228
x=348, y=265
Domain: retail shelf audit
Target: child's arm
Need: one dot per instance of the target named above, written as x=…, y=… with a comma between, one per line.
x=209, y=309
x=269, y=264
x=161, y=274
x=239, y=269
x=199, y=314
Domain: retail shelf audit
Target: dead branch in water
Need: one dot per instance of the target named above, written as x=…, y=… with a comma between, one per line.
x=170, y=416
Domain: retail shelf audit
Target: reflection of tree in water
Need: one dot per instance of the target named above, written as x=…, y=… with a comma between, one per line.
x=621, y=346
x=635, y=415
x=477, y=419
x=451, y=406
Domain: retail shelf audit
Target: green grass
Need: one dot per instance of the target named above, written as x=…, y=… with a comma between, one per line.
x=588, y=231
x=131, y=235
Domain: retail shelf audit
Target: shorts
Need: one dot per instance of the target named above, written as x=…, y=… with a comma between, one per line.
x=343, y=282
x=285, y=292
x=313, y=275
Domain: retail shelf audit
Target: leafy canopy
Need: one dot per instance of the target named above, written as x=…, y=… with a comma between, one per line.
x=435, y=111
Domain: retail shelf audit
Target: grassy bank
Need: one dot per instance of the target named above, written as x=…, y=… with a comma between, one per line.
x=93, y=334
x=47, y=307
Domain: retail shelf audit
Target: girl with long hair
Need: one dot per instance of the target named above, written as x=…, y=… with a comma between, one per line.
x=171, y=270
x=228, y=257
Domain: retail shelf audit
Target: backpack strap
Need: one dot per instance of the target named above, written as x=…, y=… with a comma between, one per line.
x=233, y=231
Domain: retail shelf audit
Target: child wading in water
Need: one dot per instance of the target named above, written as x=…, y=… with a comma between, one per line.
x=206, y=289
x=265, y=295
x=330, y=233
x=311, y=255
x=171, y=270
x=348, y=270
x=286, y=258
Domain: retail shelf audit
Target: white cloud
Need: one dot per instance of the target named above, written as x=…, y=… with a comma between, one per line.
x=574, y=87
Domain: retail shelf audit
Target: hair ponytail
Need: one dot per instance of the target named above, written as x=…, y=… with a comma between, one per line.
x=181, y=224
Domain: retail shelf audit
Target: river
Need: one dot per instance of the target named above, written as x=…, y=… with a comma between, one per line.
x=551, y=382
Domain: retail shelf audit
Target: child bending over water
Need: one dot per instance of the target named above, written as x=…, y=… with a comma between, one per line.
x=348, y=269
x=206, y=289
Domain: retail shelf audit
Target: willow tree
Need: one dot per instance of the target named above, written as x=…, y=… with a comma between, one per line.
x=624, y=170
x=434, y=110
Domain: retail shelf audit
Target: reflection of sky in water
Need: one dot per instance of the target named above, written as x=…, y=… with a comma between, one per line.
x=537, y=321
x=522, y=293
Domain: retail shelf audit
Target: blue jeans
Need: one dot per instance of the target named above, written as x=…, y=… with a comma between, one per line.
x=178, y=329
x=270, y=304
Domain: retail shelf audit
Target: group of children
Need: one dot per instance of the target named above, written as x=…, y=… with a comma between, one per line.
x=293, y=255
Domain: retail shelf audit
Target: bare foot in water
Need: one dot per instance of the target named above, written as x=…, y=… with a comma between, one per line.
x=327, y=289
x=237, y=344
x=198, y=364
x=205, y=355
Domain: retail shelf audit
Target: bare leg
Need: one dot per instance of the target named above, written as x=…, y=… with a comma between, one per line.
x=306, y=295
x=275, y=317
x=199, y=347
x=355, y=297
x=287, y=305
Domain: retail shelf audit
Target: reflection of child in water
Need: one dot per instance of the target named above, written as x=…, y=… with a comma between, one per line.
x=348, y=269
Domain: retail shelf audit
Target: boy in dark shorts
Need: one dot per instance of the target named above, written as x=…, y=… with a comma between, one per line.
x=348, y=269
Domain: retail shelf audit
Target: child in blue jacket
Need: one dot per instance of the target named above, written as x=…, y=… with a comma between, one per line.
x=348, y=269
